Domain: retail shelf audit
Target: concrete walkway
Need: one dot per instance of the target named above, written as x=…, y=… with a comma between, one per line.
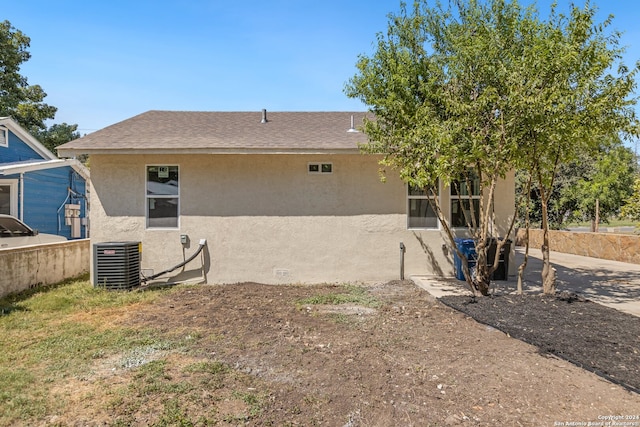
x=611, y=283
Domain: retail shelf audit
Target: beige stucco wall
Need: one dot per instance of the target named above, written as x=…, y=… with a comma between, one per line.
x=266, y=219
x=30, y=266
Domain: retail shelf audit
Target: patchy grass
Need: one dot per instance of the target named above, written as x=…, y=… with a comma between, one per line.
x=71, y=341
x=57, y=333
x=67, y=341
x=246, y=354
x=51, y=334
x=350, y=294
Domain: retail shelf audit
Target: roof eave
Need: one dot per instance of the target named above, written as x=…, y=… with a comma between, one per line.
x=38, y=165
x=74, y=152
x=27, y=138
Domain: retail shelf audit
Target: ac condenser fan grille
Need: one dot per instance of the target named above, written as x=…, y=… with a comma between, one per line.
x=117, y=265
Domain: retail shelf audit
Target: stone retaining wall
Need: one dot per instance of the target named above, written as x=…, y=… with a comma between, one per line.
x=616, y=247
x=31, y=266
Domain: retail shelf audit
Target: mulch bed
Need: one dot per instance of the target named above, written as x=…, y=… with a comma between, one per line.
x=592, y=336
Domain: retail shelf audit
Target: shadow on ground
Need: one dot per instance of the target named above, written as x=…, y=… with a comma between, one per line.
x=608, y=282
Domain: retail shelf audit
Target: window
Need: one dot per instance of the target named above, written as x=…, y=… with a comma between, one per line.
x=4, y=137
x=163, y=196
x=419, y=211
x=464, y=192
x=320, y=168
x=9, y=197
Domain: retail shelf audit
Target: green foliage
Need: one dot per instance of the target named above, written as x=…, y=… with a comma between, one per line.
x=490, y=85
x=631, y=209
x=446, y=88
x=13, y=52
x=574, y=103
x=18, y=99
x=610, y=184
x=56, y=135
x=437, y=87
x=22, y=101
x=606, y=175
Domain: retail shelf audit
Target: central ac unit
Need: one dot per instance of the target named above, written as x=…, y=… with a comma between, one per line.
x=117, y=265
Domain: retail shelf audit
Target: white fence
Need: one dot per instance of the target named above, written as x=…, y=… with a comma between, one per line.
x=31, y=266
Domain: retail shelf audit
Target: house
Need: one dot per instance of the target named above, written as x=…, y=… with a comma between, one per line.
x=47, y=193
x=283, y=197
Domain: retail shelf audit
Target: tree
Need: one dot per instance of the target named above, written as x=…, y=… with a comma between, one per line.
x=579, y=102
x=608, y=186
x=606, y=176
x=491, y=87
x=631, y=208
x=18, y=99
x=57, y=134
x=439, y=86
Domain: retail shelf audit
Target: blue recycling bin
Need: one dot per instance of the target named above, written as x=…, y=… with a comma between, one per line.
x=468, y=249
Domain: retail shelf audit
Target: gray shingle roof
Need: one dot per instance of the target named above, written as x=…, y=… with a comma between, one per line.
x=202, y=132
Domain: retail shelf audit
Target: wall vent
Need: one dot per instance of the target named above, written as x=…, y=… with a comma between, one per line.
x=116, y=265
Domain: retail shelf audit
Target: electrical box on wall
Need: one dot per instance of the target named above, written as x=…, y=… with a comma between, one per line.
x=72, y=219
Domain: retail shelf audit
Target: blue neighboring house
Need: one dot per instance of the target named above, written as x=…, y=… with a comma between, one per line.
x=47, y=193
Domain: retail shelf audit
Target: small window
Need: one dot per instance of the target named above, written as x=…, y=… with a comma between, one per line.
x=420, y=214
x=4, y=137
x=9, y=197
x=163, y=197
x=320, y=168
x=465, y=193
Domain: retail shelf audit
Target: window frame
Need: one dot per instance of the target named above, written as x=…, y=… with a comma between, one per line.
x=4, y=136
x=148, y=196
x=321, y=166
x=463, y=197
x=13, y=185
x=421, y=197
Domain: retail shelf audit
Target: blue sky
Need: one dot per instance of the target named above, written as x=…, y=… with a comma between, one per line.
x=101, y=62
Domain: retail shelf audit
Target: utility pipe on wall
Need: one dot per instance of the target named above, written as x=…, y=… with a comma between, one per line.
x=203, y=243
x=402, y=251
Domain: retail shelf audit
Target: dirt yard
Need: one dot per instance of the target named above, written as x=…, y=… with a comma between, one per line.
x=400, y=359
x=597, y=338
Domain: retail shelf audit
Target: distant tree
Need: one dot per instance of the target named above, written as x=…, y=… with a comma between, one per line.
x=57, y=134
x=631, y=208
x=602, y=193
x=562, y=202
x=606, y=175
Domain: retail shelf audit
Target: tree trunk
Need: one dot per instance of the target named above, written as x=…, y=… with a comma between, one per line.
x=548, y=272
x=527, y=224
x=482, y=279
x=523, y=266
